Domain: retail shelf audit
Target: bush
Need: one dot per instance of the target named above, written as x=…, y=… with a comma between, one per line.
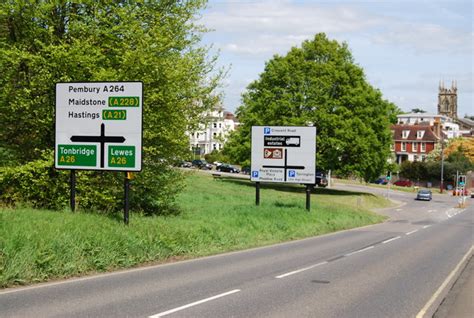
x=40, y=185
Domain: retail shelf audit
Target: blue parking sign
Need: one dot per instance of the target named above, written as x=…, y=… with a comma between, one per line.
x=266, y=130
x=291, y=173
x=254, y=174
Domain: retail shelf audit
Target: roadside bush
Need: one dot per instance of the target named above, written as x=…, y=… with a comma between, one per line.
x=40, y=185
x=36, y=183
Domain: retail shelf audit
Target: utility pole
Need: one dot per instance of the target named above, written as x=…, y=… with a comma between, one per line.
x=441, y=186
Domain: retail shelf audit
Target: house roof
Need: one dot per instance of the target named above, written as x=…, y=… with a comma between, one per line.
x=428, y=136
x=466, y=122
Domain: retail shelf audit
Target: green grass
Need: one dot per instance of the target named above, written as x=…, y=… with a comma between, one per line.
x=217, y=216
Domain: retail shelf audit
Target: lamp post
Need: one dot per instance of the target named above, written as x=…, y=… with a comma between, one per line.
x=441, y=186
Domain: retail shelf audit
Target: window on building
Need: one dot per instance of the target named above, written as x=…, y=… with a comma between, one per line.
x=214, y=146
x=414, y=146
x=220, y=125
x=420, y=134
x=215, y=125
x=197, y=135
x=423, y=158
x=404, y=146
x=423, y=147
x=214, y=135
x=392, y=147
x=415, y=158
x=405, y=134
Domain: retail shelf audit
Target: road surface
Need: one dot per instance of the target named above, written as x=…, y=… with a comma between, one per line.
x=393, y=269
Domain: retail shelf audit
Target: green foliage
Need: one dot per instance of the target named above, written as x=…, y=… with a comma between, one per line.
x=319, y=83
x=218, y=216
x=431, y=170
x=216, y=155
x=156, y=42
x=38, y=184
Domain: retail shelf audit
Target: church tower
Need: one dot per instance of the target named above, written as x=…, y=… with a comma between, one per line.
x=448, y=100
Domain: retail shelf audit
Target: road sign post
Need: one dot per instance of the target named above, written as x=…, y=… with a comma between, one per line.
x=99, y=127
x=283, y=154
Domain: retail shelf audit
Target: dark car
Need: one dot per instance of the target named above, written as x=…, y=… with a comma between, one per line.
x=381, y=181
x=227, y=168
x=321, y=179
x=185, y=164
x=201, y=164
x=403, y=183
x=245, y=170
x=424, y=194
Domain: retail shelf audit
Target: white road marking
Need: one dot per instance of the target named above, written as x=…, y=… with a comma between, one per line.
x=411, y=232
x=426, y=226
x=398, y=210
x=194, y=304
x=431, y=211
x=423, y=311
x=300, y=270
x=392, y=239
x=359, y=251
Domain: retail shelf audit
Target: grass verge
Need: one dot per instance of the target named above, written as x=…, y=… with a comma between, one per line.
x=218, y=215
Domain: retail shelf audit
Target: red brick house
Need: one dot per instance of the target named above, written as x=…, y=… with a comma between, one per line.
x=413, y=142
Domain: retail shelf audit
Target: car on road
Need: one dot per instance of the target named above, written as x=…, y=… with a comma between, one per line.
x=185, y=164
x=201, y=164
x=381, y=180
x=424, y=194
x=403, y=183
x=245, y=170
x=227, y=168
x=321, y=179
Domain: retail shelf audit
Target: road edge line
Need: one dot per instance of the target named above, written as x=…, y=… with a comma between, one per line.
x=435, y=300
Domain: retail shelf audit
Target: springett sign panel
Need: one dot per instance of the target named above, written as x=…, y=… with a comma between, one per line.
x=283, y=154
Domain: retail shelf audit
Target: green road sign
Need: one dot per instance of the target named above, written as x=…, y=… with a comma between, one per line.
x=77, y=155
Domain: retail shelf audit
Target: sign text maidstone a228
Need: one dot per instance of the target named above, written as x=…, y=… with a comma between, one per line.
x=99, y=126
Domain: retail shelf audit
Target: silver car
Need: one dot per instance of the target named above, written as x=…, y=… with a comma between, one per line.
x=424, y=195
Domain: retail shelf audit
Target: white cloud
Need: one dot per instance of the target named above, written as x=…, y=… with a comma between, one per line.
x=426, y=38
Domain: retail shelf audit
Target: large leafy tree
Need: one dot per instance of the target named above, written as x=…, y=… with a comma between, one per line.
x=319, y=83
x=156, y=41
x=43, y=42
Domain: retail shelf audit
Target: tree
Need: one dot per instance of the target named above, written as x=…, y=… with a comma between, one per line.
x=150, y=41
x=320, y=83
x=156, y=42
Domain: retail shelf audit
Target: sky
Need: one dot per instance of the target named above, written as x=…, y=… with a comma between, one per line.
x=405, y=47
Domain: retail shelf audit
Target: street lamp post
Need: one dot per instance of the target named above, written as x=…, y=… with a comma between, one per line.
x=441, y=186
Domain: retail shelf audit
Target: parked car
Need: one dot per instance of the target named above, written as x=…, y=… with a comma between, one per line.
x=381, y=180
x=201, y=164
x=424, y=194
x=245, y=170
x=227, y=168
x=321, y=179
x=403, y=183
x=185, y=164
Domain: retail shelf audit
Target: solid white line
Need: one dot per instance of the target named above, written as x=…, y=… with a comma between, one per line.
x=194, y=304
x=362, y=250
x=392, y=239
x=408, y=233
x=300, y=270
x=422, y=312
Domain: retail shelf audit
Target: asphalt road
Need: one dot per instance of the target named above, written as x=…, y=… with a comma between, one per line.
x=391, y=269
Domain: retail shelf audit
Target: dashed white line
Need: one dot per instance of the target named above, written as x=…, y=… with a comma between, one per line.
x=300, y=270
x=359, y=251
x=194, y=304
x=411, y=232
x=390, y=240
x=431, y=211
x=426, y=226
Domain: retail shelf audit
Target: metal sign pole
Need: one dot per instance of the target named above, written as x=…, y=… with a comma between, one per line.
x=308, y=197
x=72, y=183
x=126, y=201
x=257, y=193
